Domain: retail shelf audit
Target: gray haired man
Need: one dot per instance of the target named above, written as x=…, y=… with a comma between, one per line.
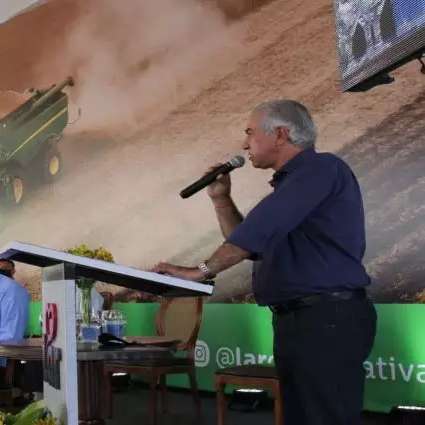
x=307, y=240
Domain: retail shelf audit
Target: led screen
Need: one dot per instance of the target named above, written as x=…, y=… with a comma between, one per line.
x=375, y=34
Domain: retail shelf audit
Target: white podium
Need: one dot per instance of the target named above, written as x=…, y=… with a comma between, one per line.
x=62, y=363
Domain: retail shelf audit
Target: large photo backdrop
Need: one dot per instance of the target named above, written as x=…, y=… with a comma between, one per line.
x=389, y=162
x=162, y=92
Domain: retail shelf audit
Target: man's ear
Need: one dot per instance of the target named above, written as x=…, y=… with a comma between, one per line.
x=282, y=135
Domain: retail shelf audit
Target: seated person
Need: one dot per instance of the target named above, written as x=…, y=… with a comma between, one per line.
x=14, y=305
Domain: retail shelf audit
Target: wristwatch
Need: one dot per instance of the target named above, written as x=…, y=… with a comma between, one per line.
x=205, y=270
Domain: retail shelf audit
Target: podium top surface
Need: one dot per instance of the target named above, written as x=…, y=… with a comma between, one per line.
x=129, y=277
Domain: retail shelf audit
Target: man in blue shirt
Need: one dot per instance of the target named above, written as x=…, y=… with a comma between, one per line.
x=14, y=304
x=307, y=238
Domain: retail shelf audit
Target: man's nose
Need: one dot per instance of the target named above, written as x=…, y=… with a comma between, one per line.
x=245, y=144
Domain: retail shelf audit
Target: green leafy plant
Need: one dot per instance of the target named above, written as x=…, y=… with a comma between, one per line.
x=34, y=414
x=48, y=420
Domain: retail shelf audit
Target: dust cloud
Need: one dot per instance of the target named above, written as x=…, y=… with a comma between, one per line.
x=133, y=64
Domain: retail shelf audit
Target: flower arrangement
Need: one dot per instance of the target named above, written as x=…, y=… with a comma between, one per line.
x=86, y=284
x=98, y=253
x=5, y=418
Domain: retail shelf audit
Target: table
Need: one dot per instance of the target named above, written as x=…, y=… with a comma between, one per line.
x=91, y=389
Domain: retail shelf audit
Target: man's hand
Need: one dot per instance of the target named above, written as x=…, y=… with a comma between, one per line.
x=227, y=213
x=220, y=187
x=189, y=273
x=227, y=255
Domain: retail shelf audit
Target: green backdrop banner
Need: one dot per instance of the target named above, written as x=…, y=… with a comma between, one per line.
x=236, y=334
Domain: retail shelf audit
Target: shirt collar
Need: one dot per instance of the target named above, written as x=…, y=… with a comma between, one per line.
x=304, y=156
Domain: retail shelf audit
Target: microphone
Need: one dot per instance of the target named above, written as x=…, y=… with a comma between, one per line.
x=236, y=162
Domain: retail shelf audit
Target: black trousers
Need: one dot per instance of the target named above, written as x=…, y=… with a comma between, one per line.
x=319, y=352
x=28, y=376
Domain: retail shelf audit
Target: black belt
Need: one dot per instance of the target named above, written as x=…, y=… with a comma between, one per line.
x=309, y=300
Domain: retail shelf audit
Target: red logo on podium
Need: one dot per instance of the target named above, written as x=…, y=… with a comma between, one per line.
x=52, y=356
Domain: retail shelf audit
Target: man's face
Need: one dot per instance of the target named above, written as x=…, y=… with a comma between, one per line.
x=262, y=147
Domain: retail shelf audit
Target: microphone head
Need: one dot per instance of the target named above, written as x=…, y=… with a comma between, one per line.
x=237, y=161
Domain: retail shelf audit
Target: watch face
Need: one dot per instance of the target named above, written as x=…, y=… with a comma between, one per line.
x=205, y=270
x=203, y=267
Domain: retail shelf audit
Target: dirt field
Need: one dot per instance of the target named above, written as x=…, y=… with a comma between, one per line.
x=160, y=108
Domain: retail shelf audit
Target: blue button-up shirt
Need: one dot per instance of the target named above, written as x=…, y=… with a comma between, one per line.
x=309, y=234
x=14, y=305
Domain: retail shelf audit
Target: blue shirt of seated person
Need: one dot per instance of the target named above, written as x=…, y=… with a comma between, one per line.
x=14, y=305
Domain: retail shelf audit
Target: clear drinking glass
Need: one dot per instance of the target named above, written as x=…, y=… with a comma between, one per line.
x=114, y=322
x=90, y=332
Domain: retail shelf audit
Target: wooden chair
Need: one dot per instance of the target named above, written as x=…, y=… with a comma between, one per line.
x=178, y=318
x=250, y=376
x=108, y=300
